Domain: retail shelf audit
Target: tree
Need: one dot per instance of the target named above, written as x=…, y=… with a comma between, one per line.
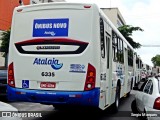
x=126, y=31
x=156, y=60
x=5, y=41
x=5, y=44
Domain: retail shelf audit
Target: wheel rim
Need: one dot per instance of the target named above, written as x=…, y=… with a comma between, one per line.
x=117, y=97
x=117, y=102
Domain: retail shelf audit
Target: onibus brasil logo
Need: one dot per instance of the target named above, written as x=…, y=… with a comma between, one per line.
x=54, y=63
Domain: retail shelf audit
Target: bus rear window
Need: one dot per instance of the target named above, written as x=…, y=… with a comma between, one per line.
x=51, y=46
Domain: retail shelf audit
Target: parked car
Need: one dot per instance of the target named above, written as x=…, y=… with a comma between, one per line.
x=8, y=112
x=3, y=82
x=147, y=99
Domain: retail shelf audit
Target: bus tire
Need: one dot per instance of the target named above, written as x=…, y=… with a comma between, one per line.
x=131, y=84
x=145, y=117
x=135, y=82
x=134, y=107
x=59, y=107
x=128, y=94
x=117, y=99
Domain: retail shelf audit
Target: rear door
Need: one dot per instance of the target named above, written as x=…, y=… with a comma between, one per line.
x=105, y=61
x=108, y=66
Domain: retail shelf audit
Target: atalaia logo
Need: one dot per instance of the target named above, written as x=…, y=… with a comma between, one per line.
x=54, y=63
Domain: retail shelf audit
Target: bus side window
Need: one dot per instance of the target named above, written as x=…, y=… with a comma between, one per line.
x=102, y=38
x=114, y=45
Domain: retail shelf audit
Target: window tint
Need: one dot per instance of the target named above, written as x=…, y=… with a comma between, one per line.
x=159, y=84
x=148, y=87
x=107, y=44
x=102, y=38
x=141, y=85
x=130, y=57
x=117, y=47
x=114, y=45
x=151, y=89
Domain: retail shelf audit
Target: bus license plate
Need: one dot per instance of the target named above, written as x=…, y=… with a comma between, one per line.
x=47, y=84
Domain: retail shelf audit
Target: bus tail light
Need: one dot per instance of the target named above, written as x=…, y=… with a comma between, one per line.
x=11, y=81
x=90, y=78
x=87, y=6
x=19, y=10
x=157, y=103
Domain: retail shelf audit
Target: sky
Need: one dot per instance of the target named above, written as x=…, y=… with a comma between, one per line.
x=138, y=13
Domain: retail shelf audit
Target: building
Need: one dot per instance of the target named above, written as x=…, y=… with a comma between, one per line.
x=6, y=11
x=147, y=69
x=115, y=16
x=156, y=70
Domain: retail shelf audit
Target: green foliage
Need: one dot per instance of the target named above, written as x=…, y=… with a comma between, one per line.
x=156, y=60
x=5, y=41
x=127, y=31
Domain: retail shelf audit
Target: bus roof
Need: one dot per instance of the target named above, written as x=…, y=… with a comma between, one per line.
x=57, y=5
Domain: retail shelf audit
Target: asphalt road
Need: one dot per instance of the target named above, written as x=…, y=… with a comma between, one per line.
x=49, y=113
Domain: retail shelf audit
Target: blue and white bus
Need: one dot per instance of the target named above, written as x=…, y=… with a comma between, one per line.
x=68, y=54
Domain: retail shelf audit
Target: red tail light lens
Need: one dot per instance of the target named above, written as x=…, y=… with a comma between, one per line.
x=19, y=10
x=157, y=103
x=90, y=78
x=87, y=6
x=11, y=81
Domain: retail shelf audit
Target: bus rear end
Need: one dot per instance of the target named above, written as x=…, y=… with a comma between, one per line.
x=51, y=55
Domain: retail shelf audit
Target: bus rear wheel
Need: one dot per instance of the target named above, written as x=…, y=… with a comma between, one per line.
x=117, y=99
x=134, y=107
x=59, y=107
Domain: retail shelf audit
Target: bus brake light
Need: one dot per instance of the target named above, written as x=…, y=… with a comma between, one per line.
x=87, y=6
x=19, y=10
x=11, y=81
x=90, y=78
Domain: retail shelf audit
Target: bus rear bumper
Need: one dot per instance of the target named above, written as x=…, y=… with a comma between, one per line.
x=82, y=98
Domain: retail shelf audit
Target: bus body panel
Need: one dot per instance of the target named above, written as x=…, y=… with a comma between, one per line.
x=57, y=55
x=72, y=74
x=85, y=98
x=51, y=67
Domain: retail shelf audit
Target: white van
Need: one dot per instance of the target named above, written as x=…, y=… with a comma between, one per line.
x=61, y=54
